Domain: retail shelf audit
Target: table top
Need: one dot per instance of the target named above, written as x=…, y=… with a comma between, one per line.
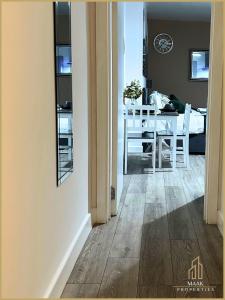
x=162, y=115
x=64, y=111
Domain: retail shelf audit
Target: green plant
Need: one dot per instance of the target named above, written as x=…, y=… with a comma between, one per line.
x=133, y=91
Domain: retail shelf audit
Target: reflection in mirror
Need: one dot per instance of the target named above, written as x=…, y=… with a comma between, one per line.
x=63, y=80
x=199, y=64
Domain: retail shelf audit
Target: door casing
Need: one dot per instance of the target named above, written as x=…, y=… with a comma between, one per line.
x=105, y=148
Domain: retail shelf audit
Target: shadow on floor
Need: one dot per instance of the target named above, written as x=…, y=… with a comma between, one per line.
x=148, y=248
x=142, y=163
x=169, y=243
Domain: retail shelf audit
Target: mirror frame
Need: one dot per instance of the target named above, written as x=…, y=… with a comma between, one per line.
x=60, y=179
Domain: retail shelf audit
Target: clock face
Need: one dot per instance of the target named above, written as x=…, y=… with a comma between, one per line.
x=163, y=43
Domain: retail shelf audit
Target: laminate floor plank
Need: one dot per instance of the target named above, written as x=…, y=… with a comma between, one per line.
x=155, y=181
x=155, y=262
x=81, y=291
x=148, y=247
x=172, y=178
x=120, y=278
x=211, y=246
x=91, y=263
x=158, y=291
x=138, y=184
x=183, y=252
x=127, y=239
x=155, y=225
x=179, y=219
x=198, y=164
x=140, y=163
x=194, y=294
x=126, y=182
x=191, y=186
x=156, y=195
x=218, y=291
x=175, y=198
x=198, y=169
x=196, y=209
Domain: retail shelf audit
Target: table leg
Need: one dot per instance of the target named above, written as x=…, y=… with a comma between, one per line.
x=204, y=123
x=174, y=126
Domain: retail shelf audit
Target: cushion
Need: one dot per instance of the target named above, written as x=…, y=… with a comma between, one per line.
x=178, y=104
x=159, y=99
x=164, y=99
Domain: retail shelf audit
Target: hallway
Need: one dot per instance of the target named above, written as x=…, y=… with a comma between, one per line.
x=148, y=247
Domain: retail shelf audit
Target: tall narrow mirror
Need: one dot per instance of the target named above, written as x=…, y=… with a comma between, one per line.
x=63, y=81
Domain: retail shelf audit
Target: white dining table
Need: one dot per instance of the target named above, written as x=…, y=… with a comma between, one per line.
x=170, y=118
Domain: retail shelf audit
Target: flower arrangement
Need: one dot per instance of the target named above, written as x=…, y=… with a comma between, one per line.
x=133, y=91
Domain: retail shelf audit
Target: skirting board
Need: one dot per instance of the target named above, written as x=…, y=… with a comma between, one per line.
x=62, y=274
x=220, y=221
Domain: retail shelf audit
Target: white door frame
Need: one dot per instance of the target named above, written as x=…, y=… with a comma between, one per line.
x=104, y=103
x=104, y=119
x=215, y=94
x=99, y=69
x=117, y=103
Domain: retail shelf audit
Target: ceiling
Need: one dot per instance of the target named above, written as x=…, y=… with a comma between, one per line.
x=180, y=11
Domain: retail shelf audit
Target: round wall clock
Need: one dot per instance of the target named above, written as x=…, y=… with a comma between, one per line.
x=163, y=43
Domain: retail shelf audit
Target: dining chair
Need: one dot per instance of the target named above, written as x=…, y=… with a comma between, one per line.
x=182, y=136
x=140, y=126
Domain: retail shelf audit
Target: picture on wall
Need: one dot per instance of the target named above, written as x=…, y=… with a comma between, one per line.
x=199, y=65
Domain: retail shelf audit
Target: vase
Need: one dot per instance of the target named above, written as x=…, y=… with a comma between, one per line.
x=132, y=101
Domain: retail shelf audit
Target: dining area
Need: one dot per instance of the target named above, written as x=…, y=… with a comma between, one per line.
x=163, y=137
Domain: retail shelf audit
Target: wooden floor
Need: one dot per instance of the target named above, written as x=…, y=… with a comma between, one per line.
x=148, y=247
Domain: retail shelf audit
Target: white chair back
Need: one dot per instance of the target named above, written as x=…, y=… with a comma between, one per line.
x=186, y=123
x=140, y=118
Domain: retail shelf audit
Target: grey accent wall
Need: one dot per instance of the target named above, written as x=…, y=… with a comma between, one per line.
x=62, y=34
x=170, y=72
x=64, y=87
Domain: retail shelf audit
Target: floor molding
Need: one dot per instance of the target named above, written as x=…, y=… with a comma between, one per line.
x=65, y=267
x=220, y=221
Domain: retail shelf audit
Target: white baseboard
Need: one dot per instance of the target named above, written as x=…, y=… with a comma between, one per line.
x=220, y=221
x=65, y=267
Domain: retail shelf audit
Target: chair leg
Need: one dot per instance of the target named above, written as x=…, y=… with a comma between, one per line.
x=160, y=153
x=184, y=152
x=187, y=153
x=174, y=153
x=170, y=154
x=153, y=156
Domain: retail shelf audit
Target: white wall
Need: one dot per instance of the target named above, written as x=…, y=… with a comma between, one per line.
x=40, y=221
x=133, y=40
x=133, y=29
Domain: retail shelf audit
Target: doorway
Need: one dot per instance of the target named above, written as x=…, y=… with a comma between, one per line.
x=210, y=215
